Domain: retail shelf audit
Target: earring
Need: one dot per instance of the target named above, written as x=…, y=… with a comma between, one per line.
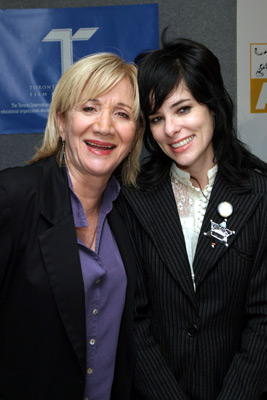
x=62, y=160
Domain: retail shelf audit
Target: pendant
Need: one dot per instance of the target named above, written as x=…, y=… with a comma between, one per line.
x=225, y=209
x=219, y=232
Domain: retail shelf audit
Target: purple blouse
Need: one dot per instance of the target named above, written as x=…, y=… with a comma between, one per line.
x=104, y=286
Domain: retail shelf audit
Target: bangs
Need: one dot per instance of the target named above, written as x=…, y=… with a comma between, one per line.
x=157, y=83
x=94, y=88
x=93, y=76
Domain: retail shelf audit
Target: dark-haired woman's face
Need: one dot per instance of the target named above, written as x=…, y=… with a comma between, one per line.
x=183, y=128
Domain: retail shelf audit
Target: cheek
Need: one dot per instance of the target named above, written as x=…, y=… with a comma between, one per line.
x=157, y=133
x=209, y=119
x=128, y=135
x=205, y=126
x=78, y=123
x=73, y=139
x=76, y=128
x=210, y=130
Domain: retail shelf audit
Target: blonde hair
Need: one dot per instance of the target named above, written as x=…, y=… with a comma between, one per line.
x=88, y=78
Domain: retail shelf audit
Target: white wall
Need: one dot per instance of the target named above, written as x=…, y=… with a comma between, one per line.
x=252, y=74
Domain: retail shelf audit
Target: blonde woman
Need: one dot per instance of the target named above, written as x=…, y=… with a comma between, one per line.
x=67, y=268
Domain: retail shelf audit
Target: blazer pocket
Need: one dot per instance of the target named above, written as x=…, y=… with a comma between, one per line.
x=242, y=253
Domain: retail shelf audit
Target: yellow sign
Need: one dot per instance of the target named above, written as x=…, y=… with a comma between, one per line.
x=258, y=77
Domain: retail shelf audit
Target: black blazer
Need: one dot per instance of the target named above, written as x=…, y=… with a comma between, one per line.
x=212, y=343
x=42, y=310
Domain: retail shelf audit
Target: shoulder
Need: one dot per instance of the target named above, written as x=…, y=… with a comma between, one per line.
x=146, y=202
x=159, y=190
x=19, y=194
x=19, y=179
x=258, y=181
x=19, y=172
x=20, y=183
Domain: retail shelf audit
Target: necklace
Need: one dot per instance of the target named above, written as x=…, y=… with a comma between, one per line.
x=93, y=240
x=88, y=233
x=87, y=236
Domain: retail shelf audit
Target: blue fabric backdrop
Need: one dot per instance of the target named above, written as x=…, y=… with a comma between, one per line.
x=38, y=45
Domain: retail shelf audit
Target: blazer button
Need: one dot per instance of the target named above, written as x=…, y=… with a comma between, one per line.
x=192, y=331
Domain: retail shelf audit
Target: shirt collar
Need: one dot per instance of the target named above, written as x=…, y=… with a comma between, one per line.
x=110, y=194
x=184, y=176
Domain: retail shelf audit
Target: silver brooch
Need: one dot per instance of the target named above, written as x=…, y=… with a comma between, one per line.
x=219, y=231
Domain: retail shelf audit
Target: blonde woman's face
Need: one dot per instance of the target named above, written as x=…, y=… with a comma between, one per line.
x=100, y=133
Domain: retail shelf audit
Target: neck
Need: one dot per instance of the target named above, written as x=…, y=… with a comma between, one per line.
x=199, y=181
x=199, y=169
x=199, y=176
x=89, y=190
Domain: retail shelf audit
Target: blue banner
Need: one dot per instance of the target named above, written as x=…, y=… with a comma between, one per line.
x=38, y=45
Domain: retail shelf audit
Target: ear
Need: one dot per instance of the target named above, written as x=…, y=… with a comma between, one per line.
x=61, y=125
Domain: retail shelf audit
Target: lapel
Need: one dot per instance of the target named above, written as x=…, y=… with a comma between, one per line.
x=125, y=353
x=244, y=203
x=121, y=235
x=61, y=257
x=157, y=212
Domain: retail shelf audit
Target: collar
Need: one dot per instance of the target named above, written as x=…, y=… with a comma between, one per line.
x=110, y=194
x=184, y=176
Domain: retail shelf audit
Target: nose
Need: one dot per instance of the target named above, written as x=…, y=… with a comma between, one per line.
x=171, y=126
x=103, y=124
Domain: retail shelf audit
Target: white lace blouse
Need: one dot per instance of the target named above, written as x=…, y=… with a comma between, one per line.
x=191, y=204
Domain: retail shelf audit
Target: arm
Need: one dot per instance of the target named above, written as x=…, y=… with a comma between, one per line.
x=247, y=374
x=153, y=378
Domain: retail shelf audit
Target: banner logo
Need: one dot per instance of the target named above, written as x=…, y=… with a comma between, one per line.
x=65, y=37
x=258, y=78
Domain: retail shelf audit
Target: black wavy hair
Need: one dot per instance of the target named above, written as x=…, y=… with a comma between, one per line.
x=159, y=73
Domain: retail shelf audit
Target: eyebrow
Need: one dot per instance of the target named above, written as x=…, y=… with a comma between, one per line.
x=177, y=103
x=125, y=105
x=120, y=104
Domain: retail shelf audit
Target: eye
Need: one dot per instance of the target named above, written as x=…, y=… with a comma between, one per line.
x=123, y=114
x=88, y=109
x=155, y=120
x=184, y=109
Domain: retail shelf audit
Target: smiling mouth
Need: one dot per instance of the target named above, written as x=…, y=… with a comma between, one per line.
x=99, y=146
x=182, y=142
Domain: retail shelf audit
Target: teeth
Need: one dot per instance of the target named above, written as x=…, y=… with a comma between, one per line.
x=182, y=143
x=98, y=145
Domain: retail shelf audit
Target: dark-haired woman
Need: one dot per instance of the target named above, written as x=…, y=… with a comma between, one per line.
x=199, y=221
